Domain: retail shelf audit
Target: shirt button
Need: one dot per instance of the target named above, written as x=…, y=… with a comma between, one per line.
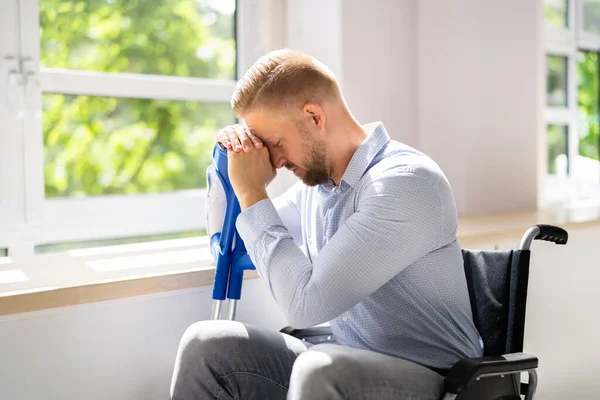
x=344, y=318
x=338, y=190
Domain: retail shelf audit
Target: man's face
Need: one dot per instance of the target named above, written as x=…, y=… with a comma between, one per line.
x=292, y=145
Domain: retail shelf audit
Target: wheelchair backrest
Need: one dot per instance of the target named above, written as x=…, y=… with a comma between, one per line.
x=497, y=282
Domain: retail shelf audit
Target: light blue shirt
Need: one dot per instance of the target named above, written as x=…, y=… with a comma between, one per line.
x=381, y=260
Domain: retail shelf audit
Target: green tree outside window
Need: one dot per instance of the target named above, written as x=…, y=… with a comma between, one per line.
x=101, y=146
x=588, y=97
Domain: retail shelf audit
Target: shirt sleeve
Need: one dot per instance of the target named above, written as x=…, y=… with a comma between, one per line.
x=397, y=221
x=288, y=207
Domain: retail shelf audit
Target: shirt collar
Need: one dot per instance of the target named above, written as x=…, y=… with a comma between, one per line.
x=377, y=138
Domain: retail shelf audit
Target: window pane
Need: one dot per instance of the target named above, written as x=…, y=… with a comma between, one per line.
x=588, y=97
x=61, y=247
x=3, y=253
x=556, y=81
x=556, y=13
x=591, y=16
x=558, y=151
x=191, y=38
x=100, y=146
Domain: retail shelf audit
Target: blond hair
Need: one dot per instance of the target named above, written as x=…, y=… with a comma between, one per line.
x=284, y=78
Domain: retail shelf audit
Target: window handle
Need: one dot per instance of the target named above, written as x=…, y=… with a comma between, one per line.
x=14, y=84
x=32, y=86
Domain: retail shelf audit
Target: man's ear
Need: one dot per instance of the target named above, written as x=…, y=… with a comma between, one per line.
x=315, y=114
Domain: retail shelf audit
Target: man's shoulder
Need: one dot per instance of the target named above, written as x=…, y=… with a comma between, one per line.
x=399, y=162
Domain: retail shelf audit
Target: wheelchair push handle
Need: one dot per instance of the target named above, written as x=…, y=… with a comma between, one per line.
x=552, y=233
x=548, y=233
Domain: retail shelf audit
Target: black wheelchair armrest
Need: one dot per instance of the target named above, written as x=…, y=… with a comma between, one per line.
x=308, y=334
x=466, y=372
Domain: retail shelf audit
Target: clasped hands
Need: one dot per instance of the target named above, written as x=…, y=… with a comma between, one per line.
x=249, y=165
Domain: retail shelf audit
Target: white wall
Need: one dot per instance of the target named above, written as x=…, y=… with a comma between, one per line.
x=563, y=323
x=478, y=98
x=380, y=65
x=461, y=80
x=315, y=27
x=121, y=349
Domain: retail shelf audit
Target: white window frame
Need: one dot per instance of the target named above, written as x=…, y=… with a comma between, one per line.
x=11, y=127
x=567, y=42
x=28, y=219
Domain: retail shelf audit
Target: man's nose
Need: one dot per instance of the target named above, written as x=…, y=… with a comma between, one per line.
x=278, y=160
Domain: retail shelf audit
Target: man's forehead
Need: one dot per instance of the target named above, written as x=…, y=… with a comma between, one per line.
x=265, y=134
x=261, y=134
x=265, y=139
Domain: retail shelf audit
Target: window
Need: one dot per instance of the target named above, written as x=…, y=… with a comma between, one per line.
x=556, y=13
x=3, y=253
x=106, y=145
x=109, y=111
x=51, y=248
x=557, y=81
x=187, y=38
x=572, y=99
x=591, y=16
x=558, y=150
x=131, y=146
x=588, y=98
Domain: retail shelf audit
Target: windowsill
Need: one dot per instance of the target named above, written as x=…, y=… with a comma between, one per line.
x=85, y=276
x=493, y=226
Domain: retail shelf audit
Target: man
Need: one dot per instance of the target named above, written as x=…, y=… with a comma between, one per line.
x=378, y=222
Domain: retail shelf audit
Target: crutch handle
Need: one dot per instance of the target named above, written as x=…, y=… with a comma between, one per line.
x=231, y=260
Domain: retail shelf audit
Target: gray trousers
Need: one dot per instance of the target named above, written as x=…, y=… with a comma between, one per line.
x=229, y=360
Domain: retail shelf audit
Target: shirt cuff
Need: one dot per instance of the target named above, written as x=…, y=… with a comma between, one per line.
x=257, y=219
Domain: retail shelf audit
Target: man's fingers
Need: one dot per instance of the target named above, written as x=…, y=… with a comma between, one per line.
x=223, y=139
x=257, y=142
x=238, y=137
x=244, y=139
x=234, y=140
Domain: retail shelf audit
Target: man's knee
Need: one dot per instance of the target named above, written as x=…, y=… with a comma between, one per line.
x=331, y=370
x=317, y=371
x=204, y=340
x=323, y=360
x=223, y=346
x=212, y=350
x=202, y=351
x=206, y=351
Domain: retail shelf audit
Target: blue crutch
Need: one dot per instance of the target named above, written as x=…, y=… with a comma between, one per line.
x=228, y=249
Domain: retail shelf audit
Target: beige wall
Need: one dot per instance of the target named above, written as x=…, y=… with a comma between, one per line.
x=478, y=98
x=461, y=80
x=380, y=65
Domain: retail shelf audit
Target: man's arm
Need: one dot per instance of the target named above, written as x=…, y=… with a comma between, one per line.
x=288, y=208
x=397, y=222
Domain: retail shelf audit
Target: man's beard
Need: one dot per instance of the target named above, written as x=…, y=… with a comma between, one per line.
x=316, y=171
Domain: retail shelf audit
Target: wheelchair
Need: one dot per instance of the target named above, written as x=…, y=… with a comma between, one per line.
x=497, y=283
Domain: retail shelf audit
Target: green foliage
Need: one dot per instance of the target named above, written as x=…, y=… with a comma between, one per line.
x=557, y=144
x=591, y=16
x=556, y=80
x=555, y=13
x=100, y=146
x=588, y=97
